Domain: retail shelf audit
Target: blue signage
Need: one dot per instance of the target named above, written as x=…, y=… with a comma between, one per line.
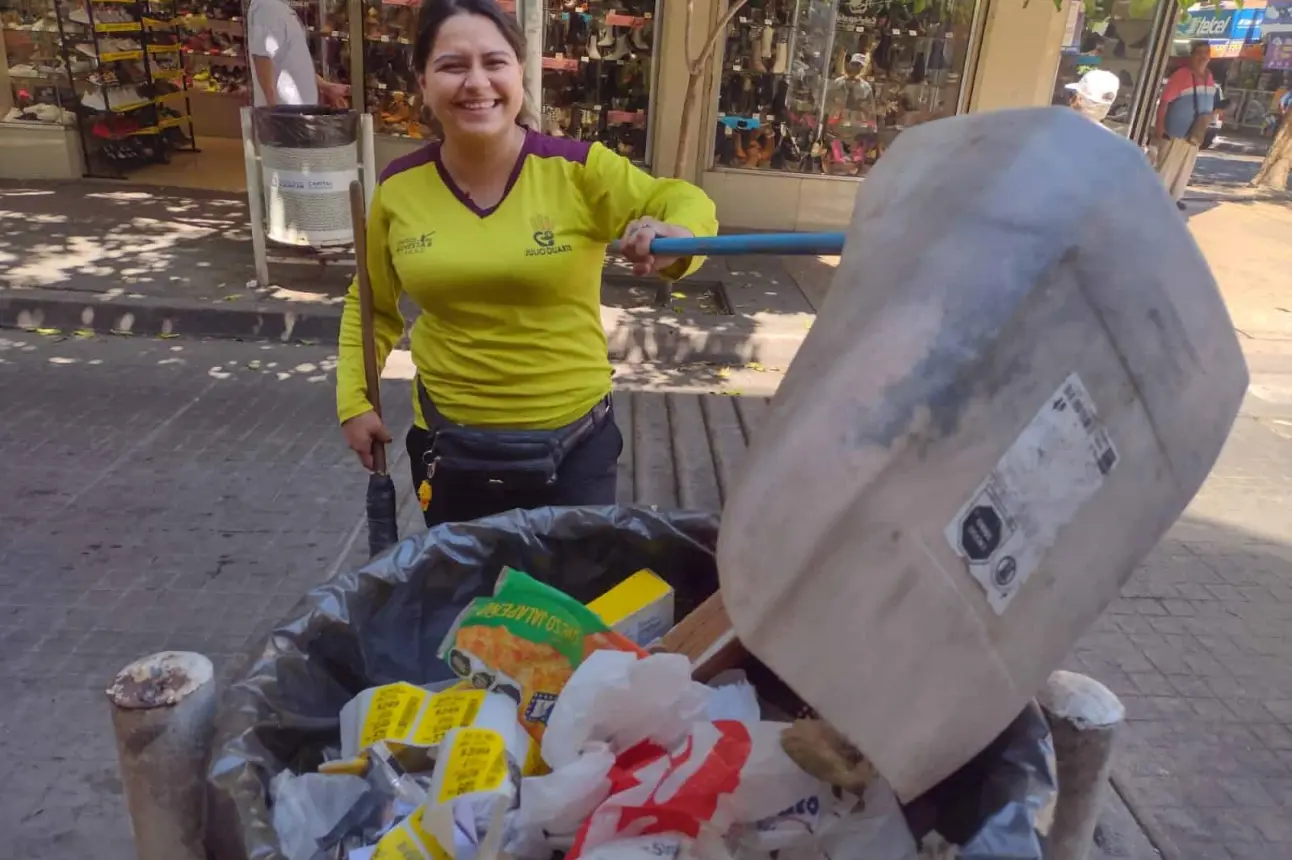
x=1222, y=25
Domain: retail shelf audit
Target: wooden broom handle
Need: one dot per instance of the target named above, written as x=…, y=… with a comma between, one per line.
x=371, y=373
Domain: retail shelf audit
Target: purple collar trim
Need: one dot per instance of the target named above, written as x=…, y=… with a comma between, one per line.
x=526, y=149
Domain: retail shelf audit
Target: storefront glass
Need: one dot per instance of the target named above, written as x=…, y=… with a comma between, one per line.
x=1113, y=35
x=597, y=72
x=596, y=62
x=1252, y=78
x=824, y=87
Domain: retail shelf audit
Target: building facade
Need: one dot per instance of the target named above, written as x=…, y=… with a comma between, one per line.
x=800, y=98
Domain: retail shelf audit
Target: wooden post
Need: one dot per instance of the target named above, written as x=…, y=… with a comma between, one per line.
x=163, y=707
x=1084, y=716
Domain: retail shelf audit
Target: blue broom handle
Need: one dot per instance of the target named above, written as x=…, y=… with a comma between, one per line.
x=818, y=244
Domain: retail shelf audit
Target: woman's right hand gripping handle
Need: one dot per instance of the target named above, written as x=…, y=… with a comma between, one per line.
x=362, y=432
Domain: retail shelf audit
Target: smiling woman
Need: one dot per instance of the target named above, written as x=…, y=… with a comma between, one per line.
x=499, y=233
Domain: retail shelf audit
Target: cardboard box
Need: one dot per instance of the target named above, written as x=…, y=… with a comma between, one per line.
x=639, y=608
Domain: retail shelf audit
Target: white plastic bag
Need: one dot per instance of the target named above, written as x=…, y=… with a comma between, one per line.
x=553, y=806
x=308, y=807
x=620, y=699
x=875, y=829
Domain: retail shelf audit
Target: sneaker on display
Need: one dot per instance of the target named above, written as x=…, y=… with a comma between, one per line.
x=47, y=113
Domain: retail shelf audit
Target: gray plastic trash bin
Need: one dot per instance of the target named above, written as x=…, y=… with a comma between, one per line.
x=309, y=155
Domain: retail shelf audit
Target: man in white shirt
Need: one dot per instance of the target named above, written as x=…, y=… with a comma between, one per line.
x=282, y=70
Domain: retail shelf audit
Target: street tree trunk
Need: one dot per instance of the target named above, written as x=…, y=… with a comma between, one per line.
x=695, y=88
x=1278, y=161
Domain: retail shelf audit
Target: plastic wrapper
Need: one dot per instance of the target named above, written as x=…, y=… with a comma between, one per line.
x=384, y=622
x=526, y=640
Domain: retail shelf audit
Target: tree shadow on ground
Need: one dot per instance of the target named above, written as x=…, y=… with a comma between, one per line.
x=106, y=242
x=112, y=241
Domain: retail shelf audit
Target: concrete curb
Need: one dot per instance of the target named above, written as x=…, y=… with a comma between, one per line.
x=66, y=310
x=1148, y=825
x=632, y=334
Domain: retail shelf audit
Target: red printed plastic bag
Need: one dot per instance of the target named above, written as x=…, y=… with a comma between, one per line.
x=654, y=791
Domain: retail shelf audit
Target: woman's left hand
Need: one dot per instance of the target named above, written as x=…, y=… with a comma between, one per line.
x=635, y=244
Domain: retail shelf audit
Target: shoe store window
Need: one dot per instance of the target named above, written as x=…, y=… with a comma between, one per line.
x=598, y=72
x=391, y=93
x=824, y=87
x=1109, y=35
x=39, y=87
x=110, y=70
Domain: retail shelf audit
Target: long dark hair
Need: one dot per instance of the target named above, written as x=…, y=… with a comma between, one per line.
x=432, y=15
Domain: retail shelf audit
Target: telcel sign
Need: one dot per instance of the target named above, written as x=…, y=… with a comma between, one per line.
x=1221, y=25
x=1206, y=28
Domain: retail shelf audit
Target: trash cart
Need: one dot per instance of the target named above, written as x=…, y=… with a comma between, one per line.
x=384, y=623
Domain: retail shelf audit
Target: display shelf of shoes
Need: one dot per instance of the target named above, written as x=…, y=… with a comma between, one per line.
x=38, y=85
x=162, y=21
x=328, y=23
x=390, y=90
x=212, y=35
x=127, y=116
x=597, y=73
x=771, y=63
x=849, y=78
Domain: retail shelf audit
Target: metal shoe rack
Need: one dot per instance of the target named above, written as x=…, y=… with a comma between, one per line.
x=127, y=119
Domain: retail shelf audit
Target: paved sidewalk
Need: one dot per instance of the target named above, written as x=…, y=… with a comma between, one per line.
x=111, y=257
x=186, y=500
x=156, y=494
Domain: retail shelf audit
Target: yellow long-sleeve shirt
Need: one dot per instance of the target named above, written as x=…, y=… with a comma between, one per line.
x=510, y=332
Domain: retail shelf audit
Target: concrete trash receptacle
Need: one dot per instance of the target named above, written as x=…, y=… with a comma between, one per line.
x=309, y=155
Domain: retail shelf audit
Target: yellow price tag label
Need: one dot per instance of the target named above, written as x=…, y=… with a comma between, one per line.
x=449, y=710
x=477, y=761
x=398, y=844
x=391, y=713
x=409, y=840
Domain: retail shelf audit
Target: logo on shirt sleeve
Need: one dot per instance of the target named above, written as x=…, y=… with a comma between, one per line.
x=414, y=244
x=544, y=236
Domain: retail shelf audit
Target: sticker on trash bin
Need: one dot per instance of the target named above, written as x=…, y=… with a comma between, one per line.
x=476, y=761
x=1054, y=466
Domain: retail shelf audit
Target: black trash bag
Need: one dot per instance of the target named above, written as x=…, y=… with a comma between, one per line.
x=384, y=623
x=1000, y=805
x=305, y=126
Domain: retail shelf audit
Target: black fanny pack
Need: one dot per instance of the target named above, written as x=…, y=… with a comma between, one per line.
x=513, y=458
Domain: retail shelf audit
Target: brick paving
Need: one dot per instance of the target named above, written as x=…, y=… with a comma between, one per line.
x=176, y=494
x=153, y=496
x=1200, y=650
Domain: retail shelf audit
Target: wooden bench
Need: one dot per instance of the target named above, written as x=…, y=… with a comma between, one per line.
x=682, y=450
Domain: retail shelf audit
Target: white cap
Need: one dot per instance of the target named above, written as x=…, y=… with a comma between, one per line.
x=1097, y=85
x=859, y=59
